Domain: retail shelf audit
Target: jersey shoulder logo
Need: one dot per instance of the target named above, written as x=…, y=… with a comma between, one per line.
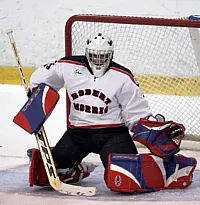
x=77, y=72
x=48, y=65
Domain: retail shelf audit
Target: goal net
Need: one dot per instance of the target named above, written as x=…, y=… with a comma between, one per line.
x=163, y=54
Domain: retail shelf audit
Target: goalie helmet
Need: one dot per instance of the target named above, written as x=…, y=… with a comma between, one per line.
x=99, y=53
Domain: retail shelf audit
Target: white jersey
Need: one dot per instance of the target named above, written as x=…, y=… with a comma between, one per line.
x=111, y=100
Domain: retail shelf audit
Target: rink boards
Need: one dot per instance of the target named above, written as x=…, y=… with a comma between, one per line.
x=164, y=84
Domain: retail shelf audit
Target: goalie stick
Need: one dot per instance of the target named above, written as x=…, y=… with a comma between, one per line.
x=44, y=147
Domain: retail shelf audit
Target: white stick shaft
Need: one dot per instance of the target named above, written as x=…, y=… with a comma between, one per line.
x=12, y=41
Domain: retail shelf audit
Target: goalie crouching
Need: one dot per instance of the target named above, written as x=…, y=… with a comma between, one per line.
x=105, y=103
x=161, y=169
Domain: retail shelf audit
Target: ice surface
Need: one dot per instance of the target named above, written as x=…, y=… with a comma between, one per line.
x=16, y=182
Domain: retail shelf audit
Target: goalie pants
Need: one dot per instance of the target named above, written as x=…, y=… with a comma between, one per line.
x=77, y=143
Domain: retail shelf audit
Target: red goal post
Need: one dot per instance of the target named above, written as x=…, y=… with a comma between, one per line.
x=163, y=54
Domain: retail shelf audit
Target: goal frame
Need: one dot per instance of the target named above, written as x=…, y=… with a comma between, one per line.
x=122, y=20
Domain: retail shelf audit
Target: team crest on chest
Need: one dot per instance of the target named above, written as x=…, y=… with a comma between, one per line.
x=88, y=108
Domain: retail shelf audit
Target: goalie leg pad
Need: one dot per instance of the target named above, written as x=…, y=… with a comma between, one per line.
x=37, y=109
x=179, y=171
x=37, y=173
x=145, y=172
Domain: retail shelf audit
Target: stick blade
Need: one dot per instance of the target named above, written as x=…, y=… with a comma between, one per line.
x=74, y=190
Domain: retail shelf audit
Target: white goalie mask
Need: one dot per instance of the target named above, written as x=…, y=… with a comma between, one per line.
x=99, y=53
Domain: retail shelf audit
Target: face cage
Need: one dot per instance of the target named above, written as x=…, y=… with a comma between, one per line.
x=99, y=58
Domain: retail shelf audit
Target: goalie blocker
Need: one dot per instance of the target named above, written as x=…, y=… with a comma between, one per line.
x=37, y=109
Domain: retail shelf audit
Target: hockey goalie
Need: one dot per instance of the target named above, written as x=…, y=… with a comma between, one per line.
x=106, y=104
